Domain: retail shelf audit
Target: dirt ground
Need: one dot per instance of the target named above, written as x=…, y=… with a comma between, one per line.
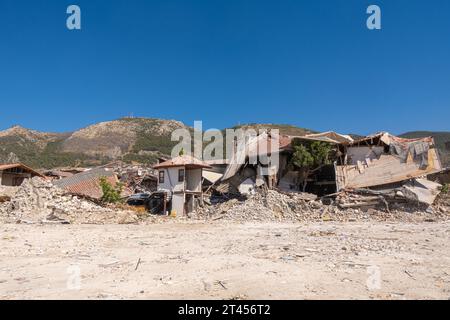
x=226, y=260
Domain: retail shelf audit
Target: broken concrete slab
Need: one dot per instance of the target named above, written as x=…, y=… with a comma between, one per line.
x=424, y=191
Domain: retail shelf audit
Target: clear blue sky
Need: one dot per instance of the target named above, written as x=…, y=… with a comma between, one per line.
x=308, y=63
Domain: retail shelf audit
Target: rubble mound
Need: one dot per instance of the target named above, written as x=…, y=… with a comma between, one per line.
x=442, y=203
x=272, y=205
x=38, y=201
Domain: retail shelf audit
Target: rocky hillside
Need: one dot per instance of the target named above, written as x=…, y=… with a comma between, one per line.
x=20, y=135
x=30, y=146
x=128, y=139
x=283, y=128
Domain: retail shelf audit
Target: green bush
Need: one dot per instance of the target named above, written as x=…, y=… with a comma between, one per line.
x=445, y=188
x=111, y=194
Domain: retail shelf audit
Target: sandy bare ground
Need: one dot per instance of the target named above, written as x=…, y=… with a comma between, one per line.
x=226, y=260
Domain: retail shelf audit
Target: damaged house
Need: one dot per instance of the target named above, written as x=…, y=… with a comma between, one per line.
x=243, y=175
x=137, y=178
x=393, y=166
x=383, y=159
x=87, y=183
x=12, y=175
x=390, y=164
x=318, y=180
x=179, y=185
x=250, y=166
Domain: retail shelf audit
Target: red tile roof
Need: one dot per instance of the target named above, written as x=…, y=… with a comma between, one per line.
x=87, y=183
x=183, y=161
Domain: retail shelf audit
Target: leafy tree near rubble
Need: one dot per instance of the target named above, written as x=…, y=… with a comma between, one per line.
x=111, y=194
x=309, y=157
x=445, y=188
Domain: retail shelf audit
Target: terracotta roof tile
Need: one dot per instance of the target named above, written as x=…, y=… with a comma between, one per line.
x=182, y=161
x=87, y=183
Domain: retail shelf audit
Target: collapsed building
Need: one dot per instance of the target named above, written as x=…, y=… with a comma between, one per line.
x=242, y=175
x=322, y=181
x=390, y=165
x=381, y=166
x=381, y=174
x=57, y=174
x=14, y=174
x=39, y=201
x=385, y=159
x=87, y=183
x=250, y=165
x=137, y=178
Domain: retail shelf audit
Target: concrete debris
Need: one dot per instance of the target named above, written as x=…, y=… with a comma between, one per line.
x=276, y=206
x=39, y=201
x=248, y=187
x=425, y=191
x=136, y=178
x=7, y=192
x=415, y=191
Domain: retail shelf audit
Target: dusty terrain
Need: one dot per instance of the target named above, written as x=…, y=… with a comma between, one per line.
x=366, y=260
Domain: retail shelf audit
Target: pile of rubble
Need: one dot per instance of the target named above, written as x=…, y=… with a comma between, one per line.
x=39, y=201
x=272, y=205
x=442, y=202
x=269, y=205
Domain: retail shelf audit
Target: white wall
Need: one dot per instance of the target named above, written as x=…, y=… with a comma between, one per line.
x=178, y=204
x=194, y=180
x=171, y=180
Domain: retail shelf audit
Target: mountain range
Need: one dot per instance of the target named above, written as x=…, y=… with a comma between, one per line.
x=140, y=140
